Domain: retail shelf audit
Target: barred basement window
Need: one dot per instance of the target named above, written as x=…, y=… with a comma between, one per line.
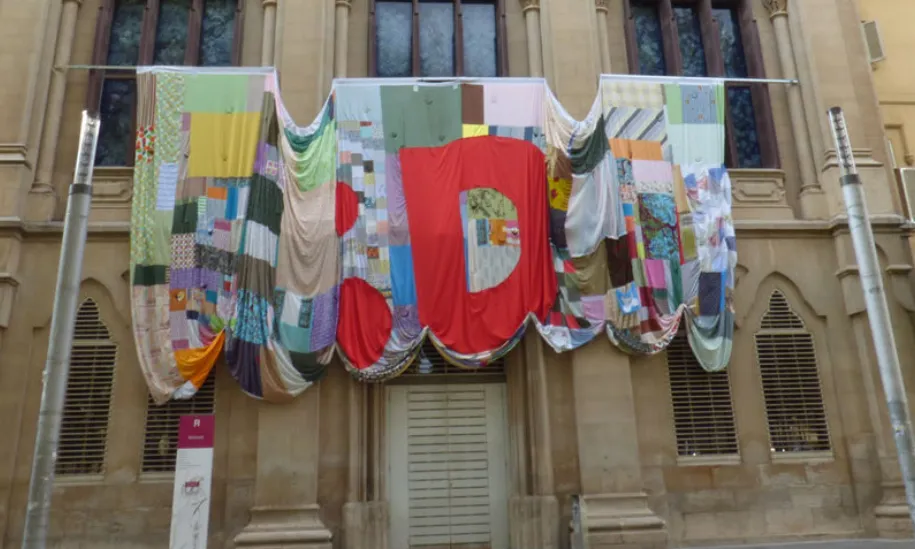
x=431, y=365
x=84, y=430
x=791, y=381
x=161, y=443
x=703, y=410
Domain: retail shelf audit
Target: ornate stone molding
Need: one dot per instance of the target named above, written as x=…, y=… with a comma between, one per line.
x=14, y=154
x=530, y=5
x=760, y=194
x=344, y=4
x=864, y=158
x=602, y=6
x=776, y=7
x=268, y=4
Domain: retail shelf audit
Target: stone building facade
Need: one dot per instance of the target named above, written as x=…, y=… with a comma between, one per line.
x=791, y=442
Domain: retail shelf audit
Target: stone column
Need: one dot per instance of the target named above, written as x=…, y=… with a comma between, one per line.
x=812, y=199
x=268, y=34
x=603, y=35
x=57, y=90
x=614, y=503
x=531, y=10
x=286, y=512
x=341, y=37
x=534, y=518
x=365, y=516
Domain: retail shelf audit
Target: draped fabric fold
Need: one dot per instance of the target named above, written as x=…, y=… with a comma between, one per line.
x=461, y=212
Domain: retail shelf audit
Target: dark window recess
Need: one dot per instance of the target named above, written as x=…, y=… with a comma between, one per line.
x=437, y=38
x=161, y=439
x=152, y=32
x=709, y=38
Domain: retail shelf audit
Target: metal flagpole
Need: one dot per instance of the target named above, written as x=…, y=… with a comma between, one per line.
x=878, y=313
x=63, y=319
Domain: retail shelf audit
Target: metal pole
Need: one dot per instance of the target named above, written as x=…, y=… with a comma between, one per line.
x=57, y=366
x=878, y=313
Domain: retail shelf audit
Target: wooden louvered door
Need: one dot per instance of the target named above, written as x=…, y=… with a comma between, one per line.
x=447, y=466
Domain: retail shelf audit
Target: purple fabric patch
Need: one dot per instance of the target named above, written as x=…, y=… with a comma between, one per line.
x=184, y=278
x=324, y=320
x=211, y=280
x=406, y=321
x=177, y=325
x=398, y=226
x=260, y=161
x=243, y=359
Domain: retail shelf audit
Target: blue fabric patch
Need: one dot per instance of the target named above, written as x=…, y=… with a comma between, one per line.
x=294, y=338
x=232, y=203
x=403, y=283
x=699, y=104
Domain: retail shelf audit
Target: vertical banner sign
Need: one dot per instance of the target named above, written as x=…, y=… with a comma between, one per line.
x=193, y=476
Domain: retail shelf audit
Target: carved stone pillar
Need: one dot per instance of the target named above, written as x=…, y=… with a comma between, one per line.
x=812, y=199
x=366, y=515
x=268, y=34
x=603, y=35
x=534, y=517
x=43, y=186
x=341, y=37
x=615, y=506
x=286, y=512
x=531, y=10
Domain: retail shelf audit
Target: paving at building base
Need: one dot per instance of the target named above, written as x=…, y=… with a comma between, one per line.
x=831, y=544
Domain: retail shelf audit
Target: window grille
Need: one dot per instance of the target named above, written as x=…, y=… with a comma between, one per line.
x=430, y=364
x=791, y=382
x=84, y=430
x=703, y=410
x=161, y=441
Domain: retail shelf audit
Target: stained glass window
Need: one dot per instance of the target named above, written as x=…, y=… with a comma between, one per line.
x=170, y=37
x=171, y=32
x=480, y=40
x=690, y=40
x=436, y=39
x=699, y=54
x=124, y=38
x=651, y=41
x=454, y=39
x=217, y=35
x=394, y=36
x=115, y=140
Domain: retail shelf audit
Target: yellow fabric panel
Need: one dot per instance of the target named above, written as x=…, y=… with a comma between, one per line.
x=194, y=365
x=223, y=145
x=560, y=190
x=475, y=130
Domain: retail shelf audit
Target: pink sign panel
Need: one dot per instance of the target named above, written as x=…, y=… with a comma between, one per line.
x=196, y=431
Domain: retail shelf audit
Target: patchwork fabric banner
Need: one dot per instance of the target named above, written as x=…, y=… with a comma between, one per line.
x=667, y=246
x=447, y=183
x=458, y=212
x=207, y=210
